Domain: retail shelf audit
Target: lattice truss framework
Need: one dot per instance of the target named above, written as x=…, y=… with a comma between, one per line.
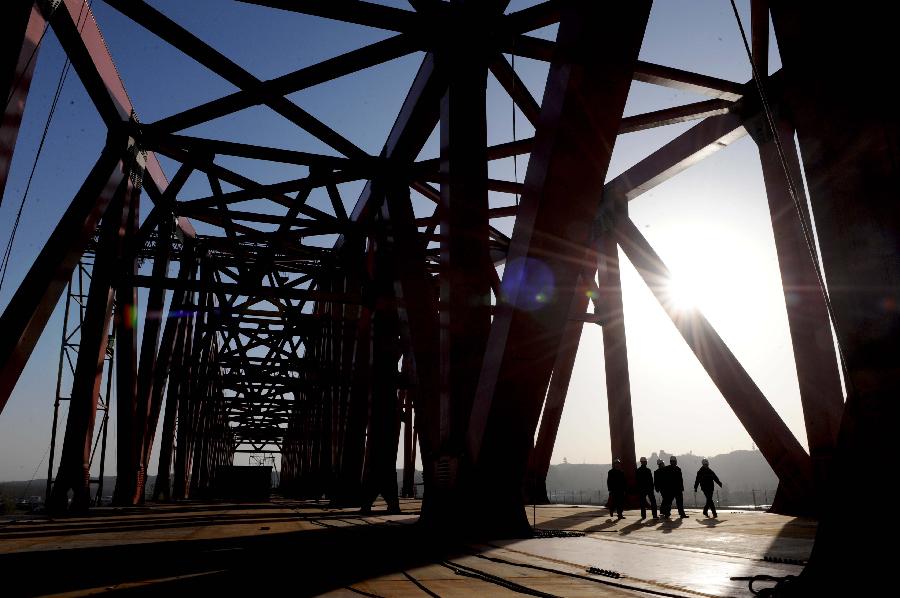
x=274, y=342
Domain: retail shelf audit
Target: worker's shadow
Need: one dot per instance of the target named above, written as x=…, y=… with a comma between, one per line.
x=710, y=522
x=668, y=525
x=599, y=528
x=637, y=525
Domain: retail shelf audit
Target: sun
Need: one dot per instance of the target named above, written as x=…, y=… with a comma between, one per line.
x=681, y=295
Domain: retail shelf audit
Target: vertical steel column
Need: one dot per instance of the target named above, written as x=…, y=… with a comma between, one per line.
x=184, y=430
x=419, y=329
x=465, y=317
x=380, y=473
x=21, y=27
x=161, y=489
x=406, y=404
x=590, y=75
x=129, y=475
x=615, y=356
x=359, y=374
x=849, y=139
x=808, y=319
x=810, y=326
x=58, y=398
x=74, y=466
x=177, y=388
x=149, y=387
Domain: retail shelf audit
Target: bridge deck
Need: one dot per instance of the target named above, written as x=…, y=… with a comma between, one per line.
x=313, y=549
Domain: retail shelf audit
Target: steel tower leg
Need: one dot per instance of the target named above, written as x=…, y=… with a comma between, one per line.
x=589, y=79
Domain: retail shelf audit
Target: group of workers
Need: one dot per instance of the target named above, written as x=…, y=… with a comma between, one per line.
x=667, y=480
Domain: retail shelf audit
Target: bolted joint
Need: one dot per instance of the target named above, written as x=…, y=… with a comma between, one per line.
x=611, y=209
x=48, y=7
x=135, y=162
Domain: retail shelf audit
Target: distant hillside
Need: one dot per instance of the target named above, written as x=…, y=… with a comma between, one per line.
x=741, y=473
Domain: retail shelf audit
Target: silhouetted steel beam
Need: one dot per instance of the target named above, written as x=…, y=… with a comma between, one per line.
x=350, y=11
x=153, y=140
x=645, y=72
x=30, y=307
x=418, y=315
x=776, y=442
x=465, y=293
x=245, y=290
x=816, y=363
x=557, y=390
x=129, y=440
x=533, y=17
x=180, y=38
x=674, y=115
x=74, y=465
x=76, y=29
x=303, y=78
x=416, y=120
x=589, y=79
x=514, y=86
x=689, y=148
x=849, y=140
x=615, y=358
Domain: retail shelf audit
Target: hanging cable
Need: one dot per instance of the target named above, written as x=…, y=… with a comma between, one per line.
x=792, y=190
x=512, y=95
x=4, y=264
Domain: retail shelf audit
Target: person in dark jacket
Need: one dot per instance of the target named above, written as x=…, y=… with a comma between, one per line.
x=615, y=483
x=675, y=487
x=659, y=482
x=645, y=488
x=706, y=477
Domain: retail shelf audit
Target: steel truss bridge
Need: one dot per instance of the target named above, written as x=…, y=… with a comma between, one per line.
x=271, y=343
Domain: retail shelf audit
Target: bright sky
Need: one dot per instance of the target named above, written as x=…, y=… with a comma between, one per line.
x=710, y=224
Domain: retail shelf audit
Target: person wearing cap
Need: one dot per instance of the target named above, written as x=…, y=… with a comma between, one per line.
x=645, y=488
x=615, y=483
x=659, y=482
x=706, y=477
x=675, y=487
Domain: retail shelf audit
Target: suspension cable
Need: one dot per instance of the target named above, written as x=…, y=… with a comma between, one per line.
x=512, y=96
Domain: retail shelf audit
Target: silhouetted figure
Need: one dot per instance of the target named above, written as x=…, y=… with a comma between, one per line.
x=706, y=477
x=675, y=488
x=645, y=486
x=659, y=482
x=615, y=483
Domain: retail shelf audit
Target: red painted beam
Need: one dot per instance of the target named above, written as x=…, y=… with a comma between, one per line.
x=557, y=390
x=74, y=25
x=74, y=464
x=30, y=308
x=589, y=79
x=615, y=357
x=816, y=363
x=21, y=29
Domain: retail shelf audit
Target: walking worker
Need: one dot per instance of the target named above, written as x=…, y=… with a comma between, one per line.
x=706, y=477
x=659, y=482
x=645, y=488
x=675, y=488
x=615, y=483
